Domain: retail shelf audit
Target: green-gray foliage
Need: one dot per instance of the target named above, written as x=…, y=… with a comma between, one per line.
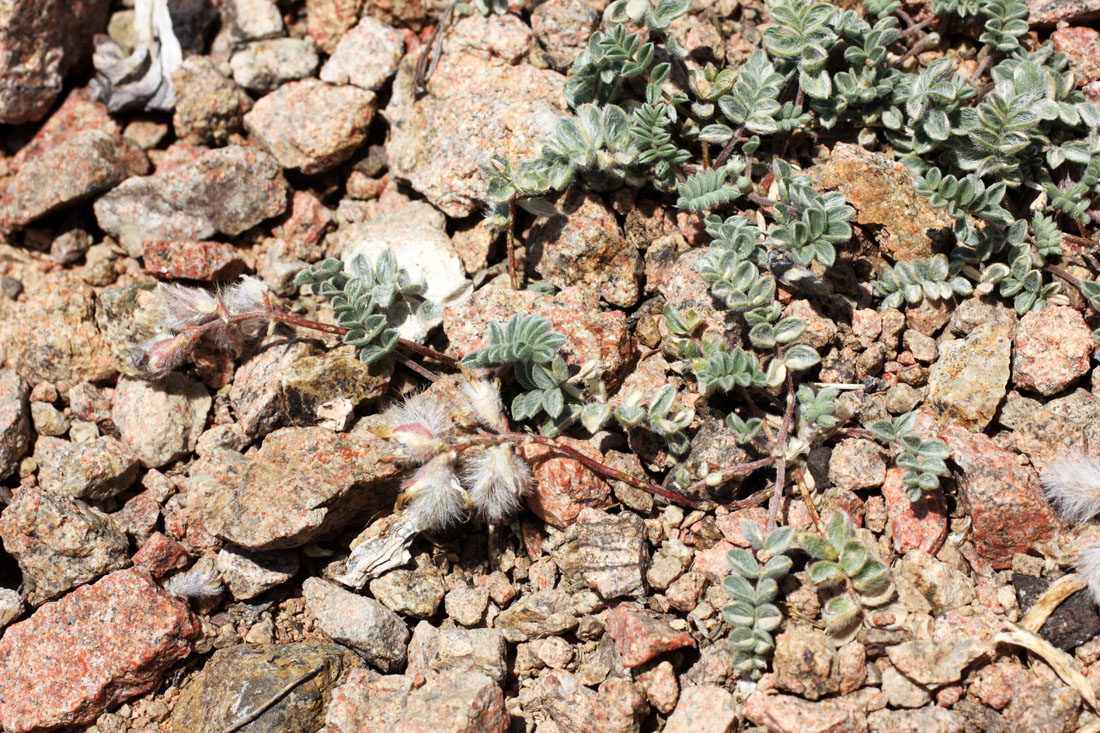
x=816, y=408
x=753, y=586
x=358, y=291
x=530, y=346
x=923, y=461
x=912, y=281
x=1016, y=148
x=842, y=563
x=809, y=224
x=658, y=417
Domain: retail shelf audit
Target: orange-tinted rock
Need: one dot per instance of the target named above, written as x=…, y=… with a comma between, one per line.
x=100, y=646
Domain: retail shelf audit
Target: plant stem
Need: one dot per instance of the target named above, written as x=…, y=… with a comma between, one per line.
x=1067, y=276
x=729, y=147
x=294, y=320
x=720, y=477
x=814, y=515
x=781, y=446
x=917, y=27
x=982, y=66
x=513, y=271
x=587, y=461
x=422, y=371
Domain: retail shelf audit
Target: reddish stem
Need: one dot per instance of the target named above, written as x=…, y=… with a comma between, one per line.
x=293, y=320
x=781, y=446
x=727, y=473
x=513, y=271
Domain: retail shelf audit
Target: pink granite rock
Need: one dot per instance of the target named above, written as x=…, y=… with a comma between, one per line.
x=1053, y=348
x=160, y=421
x=583, y=245
x=617, y=707
x=641, y=635
x=83, y=164
x=300, y=483
x=310, y=125
x=192, y=260
x=99, y=646
x=468, y=702
x=50, y=334
x=438, y=141
x=789, y=714
x=225, y=190
x=160, y=554
x=574, y=312
x=920, y=525
x=563, y=485
x=857, y=464
x=703, y=709
x=42, y=42
x=1082, y=45
x=366, y=56
x=1052, y=12
x=1003, y=499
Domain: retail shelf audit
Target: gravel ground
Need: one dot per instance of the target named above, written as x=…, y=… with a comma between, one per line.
x=171, y=548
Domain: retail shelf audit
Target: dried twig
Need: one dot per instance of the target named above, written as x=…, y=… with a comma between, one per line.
x=250, y=717
x=1062, y=664
x=1058, y=591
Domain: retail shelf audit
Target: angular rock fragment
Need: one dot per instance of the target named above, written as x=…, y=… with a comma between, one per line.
x=243, y=678
x=466, y=702
x=310, y=125
x=59, y=543
x=376, y=633
x=613, y=552
x=227, y=190
x=83, y=164
x=438, y=651
x=301, y=483
x=122, y=634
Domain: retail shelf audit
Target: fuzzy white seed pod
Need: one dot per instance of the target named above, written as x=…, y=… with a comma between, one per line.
x=1088, y=564
x=247, y=295
x=433, y=498
x=420, y=426
x=1072, y=484
x=200, y=581
x=179, y=307
x=486, y=404
x=497, y=480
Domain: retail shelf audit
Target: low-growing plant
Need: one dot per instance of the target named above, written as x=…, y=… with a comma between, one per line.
x=845, y=573
x=923, y=461
x=753, y=584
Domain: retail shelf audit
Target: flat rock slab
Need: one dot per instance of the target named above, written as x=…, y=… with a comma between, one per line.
x=467, y=702
x=227, y=190
x=99, y=646
x=935, y=662
x=60, y=543
x=301, y=483
x=84, y=164
x=236, y=681
x=374, y=631
x=474, y=108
